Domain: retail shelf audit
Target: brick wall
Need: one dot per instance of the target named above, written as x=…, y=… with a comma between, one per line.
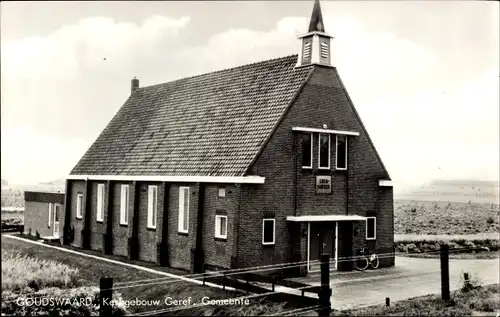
x=218, y=252
x=36, y=218
x=96, y=227
x=147, y=236
x=355, y=191
x=77, y=187
x=180, y=244
x=120, y=232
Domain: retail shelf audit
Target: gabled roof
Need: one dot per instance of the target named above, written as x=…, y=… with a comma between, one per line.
x=208, y=125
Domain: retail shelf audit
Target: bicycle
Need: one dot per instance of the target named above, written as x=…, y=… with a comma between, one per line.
x=363, y=261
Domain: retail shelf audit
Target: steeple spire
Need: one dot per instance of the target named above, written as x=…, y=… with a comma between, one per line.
x=316, y=23
x=316, y=42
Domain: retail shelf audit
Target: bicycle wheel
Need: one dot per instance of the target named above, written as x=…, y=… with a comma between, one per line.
x=361, y=263
x=374, y=261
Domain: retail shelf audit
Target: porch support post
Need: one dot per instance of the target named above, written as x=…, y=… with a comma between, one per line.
x=133, y=229
x=107, y=238
x=66, y=218
x=86, y=215
x=162, y=226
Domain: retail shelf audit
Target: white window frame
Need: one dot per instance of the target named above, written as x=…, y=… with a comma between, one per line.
x=312, y=142
x=274, y=231
x=337, y=152
x=374, y=228
x=100, y=203
x=124, y=204
x=50, y=215
x=79, y=206
x=182, y=211
x=152, y=206
x=221, y=190
x=218, y=227
x=319, y=151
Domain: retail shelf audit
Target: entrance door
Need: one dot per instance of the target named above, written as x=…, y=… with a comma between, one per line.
x=57, y=212
x=321, y=240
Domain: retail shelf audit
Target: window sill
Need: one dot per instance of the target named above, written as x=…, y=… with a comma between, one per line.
x=371, y=238
x=182, y=233
x=99, y=221
x=124, y=225
x=220, y=239
x=268, y=244
x=340, y=169
x=151, y=228
x=307, y=167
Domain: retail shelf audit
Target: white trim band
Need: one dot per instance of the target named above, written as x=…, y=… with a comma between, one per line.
x=175, y=179
x=314, y=33
x=325, y=131
x=325, y=218
x=385, y=183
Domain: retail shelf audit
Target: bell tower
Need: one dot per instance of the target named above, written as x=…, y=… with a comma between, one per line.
x=315, y=48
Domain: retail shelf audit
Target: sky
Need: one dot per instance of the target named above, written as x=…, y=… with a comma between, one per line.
x=423, y=75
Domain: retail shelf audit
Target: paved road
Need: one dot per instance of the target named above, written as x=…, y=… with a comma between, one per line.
x=410, y=278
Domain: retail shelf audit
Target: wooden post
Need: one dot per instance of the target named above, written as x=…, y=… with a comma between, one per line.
x=105, y=296
x=325, y=292
x=387, y=301
x=445, y=273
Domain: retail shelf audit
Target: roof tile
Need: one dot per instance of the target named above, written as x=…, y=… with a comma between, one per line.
x=208, y=125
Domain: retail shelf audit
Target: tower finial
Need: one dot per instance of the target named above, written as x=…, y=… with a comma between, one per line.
x=316, y=23
x=316, y=42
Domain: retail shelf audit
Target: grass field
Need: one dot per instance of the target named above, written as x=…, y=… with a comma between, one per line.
x=90, y=271
x=23, y=273
x=440, y=218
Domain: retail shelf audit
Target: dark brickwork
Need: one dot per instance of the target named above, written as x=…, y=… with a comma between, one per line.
x=290, y=190
x=180, y=244
x=120, y=232
x=218, y=252
x=97, y=228
x=36, y=218
x=36, y=212
x=147, y=236
x=77, y=187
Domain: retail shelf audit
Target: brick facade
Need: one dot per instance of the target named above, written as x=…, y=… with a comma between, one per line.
x=289, y=190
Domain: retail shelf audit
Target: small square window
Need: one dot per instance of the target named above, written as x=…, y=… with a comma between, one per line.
x=268, y=231
x=221, y=226
x=222, y=191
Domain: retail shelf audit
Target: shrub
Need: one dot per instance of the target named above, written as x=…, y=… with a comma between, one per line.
x=81, y=301
x=490, y=220
x=25, y=274
x=469, y=284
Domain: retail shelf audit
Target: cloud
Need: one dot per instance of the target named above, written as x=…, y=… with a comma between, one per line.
x=30, y=157
x=59, y=89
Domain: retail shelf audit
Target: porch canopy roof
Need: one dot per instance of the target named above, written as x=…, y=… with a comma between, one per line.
x=317, y=218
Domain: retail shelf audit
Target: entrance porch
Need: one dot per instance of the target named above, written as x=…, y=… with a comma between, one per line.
x=332, y=234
